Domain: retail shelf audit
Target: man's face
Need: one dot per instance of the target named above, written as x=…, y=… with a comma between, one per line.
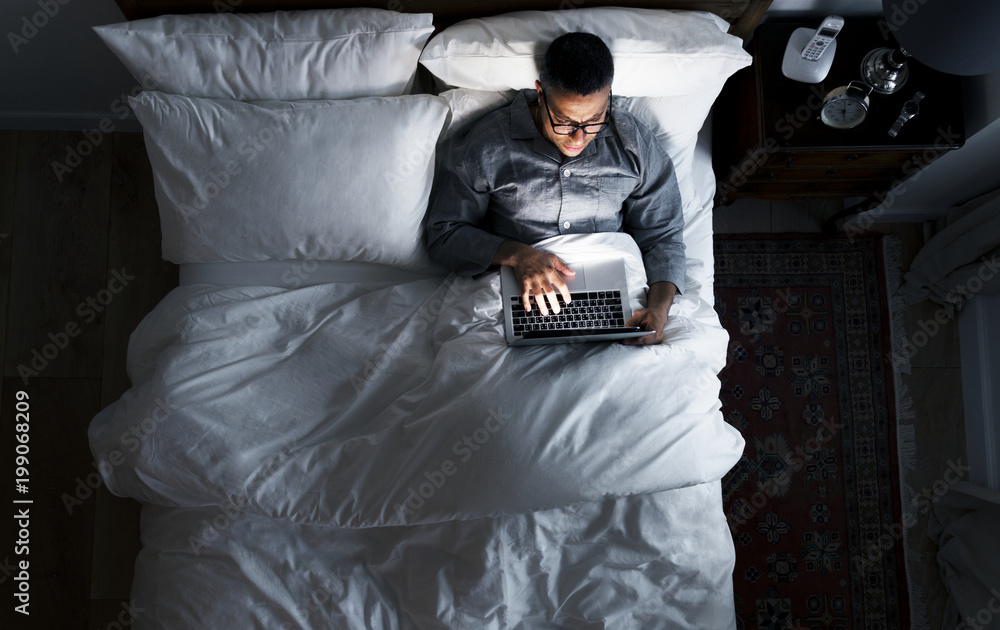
x=567, y=108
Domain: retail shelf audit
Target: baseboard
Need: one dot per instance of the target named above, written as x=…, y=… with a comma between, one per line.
x=68, y=121
x=980, y=347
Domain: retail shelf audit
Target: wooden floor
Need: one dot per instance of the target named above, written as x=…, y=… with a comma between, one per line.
x=64, y=334
x=63, y=339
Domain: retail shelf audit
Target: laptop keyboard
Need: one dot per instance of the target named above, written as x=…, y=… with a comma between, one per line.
x=594, y=309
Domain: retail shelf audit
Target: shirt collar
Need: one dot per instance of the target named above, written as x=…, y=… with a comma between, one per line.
x=522, y=125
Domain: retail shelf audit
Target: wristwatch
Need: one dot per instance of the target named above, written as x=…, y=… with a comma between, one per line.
x=910, y=109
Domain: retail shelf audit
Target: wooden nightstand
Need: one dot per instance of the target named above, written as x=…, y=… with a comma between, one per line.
x=769, y=142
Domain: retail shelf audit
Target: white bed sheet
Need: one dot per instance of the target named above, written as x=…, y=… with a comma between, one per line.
x=657, y=559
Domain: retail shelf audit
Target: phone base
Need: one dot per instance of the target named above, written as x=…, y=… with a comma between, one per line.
x=796, y=68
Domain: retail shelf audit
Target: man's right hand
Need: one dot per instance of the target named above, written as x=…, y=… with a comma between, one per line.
x=540, y=274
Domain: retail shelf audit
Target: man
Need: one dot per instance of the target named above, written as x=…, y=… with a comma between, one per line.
x=558, y=160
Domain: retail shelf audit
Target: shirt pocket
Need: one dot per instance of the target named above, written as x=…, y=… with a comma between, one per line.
x=612, y=193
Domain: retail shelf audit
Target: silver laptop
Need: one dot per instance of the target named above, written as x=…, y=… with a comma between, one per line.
x=598, y=309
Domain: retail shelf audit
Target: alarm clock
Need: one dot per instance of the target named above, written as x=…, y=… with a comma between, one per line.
x=847, y=106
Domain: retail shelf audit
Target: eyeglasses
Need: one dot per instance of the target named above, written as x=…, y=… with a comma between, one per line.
x=569, y=130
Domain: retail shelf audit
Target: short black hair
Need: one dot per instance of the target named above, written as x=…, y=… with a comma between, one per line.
x=579, y=63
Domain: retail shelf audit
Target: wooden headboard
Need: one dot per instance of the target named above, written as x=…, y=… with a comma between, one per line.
x=743, y=15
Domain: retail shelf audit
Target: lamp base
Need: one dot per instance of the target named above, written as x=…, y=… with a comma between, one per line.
x=884, y=70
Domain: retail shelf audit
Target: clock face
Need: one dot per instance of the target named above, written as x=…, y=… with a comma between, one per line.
x=843, y=113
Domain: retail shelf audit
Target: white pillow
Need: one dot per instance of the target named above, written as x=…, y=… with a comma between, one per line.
x=321, y=180
x=467, y=106
x=656, y=52
x=676, y=121
x=286, y=55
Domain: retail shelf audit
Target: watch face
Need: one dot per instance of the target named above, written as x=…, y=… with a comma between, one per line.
x=843, y=113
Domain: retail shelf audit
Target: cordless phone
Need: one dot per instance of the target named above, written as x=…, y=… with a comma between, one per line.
x=809, y=53
x=822, y=38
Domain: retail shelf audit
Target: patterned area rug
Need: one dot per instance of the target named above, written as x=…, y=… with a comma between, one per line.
x=813, y=505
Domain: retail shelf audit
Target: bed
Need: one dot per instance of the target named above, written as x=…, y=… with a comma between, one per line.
x=325, y=429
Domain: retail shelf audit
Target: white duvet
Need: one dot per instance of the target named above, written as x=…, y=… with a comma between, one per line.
x=659, y=561
x=356, y=407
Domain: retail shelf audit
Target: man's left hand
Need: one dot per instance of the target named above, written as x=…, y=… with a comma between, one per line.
x=654, y=316
x=647, y=319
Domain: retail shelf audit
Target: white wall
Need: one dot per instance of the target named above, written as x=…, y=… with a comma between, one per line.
x=980, y=346
x=982, y=101
x=62, y=76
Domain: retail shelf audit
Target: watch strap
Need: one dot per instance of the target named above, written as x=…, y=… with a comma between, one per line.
x=904, y=115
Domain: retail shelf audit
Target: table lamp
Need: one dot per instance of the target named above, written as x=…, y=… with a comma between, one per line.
x=953, y=36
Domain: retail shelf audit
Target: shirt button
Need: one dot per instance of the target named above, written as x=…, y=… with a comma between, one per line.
x=566, y=225
x=567, y=172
